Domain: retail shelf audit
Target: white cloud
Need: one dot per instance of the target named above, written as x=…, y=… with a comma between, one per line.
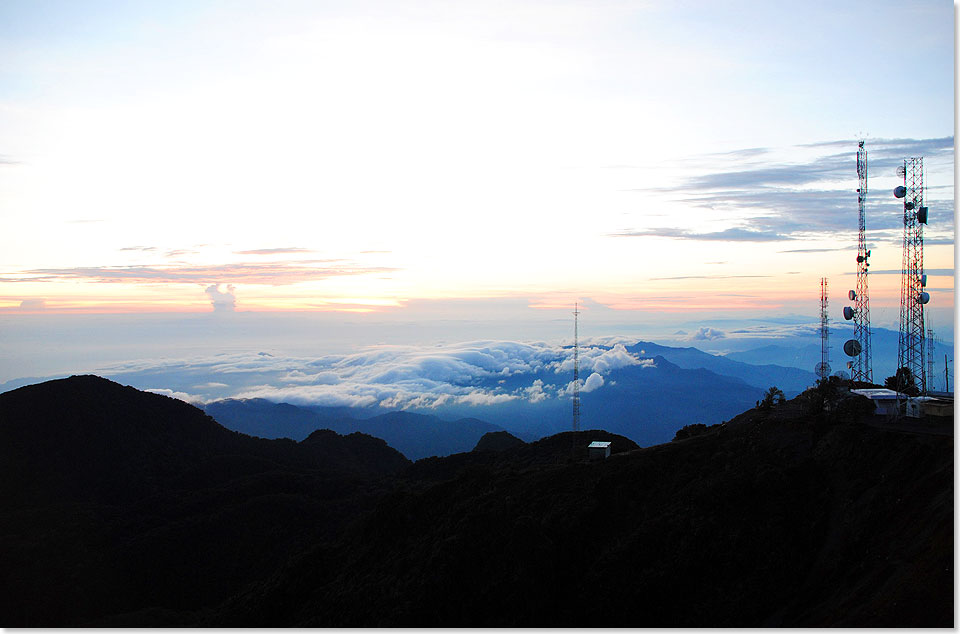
x=396, y=377
x=593, y=382
x=707, y=334
x=182, y=396
x=33, y=304
x=535, y=392
x=222, y=302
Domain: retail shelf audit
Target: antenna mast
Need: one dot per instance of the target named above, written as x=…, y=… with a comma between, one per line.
x=823, y=368
x=862, y=368
x=912, y=281
x=576, y=369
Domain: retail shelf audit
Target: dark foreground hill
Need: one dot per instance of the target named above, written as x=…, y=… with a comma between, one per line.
x=780, y=517
x=115, y=500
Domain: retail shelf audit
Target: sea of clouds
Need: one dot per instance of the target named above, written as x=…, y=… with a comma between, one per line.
x=394, y=377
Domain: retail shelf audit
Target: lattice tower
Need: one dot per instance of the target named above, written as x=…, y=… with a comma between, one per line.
x=862, y=368
x=911, y=349
x=576, y=369
x=931, y=344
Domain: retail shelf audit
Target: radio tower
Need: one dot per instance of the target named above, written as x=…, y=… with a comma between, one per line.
x=931, y=342
x=576, y=371
x=862, y=369
x=912, y=296
x=823, y=368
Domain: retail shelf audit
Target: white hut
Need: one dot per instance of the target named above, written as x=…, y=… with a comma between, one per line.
x=598, y=450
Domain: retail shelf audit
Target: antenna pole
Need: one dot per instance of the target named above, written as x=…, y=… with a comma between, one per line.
x=823, y=368
x=576, y=369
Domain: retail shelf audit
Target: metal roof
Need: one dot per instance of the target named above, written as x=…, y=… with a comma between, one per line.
x=599, y=444
x=876, y=393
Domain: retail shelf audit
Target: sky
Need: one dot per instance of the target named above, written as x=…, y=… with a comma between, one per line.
x=390, y=163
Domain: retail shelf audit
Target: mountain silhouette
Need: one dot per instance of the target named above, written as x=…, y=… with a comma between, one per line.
x=128, y=509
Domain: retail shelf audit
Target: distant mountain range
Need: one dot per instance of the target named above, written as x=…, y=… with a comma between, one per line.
x=646, y=402
x=414, y=435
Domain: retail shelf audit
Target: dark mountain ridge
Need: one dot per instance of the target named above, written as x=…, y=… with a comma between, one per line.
x=810, y=513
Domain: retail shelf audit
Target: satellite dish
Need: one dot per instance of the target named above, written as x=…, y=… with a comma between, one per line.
x=852, y=347
x=922, y=215
x=901, y=171
x=924, y=297
x=822, y=370
x=842, y=374
x=908, y=205
x=849, y=364
x=847, y=312
x=852, y=294
x=900, y=191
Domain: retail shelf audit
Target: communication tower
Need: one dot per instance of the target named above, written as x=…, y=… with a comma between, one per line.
x=931, y=344
x=913, y=297
x=861, y=367
x=823, y=368
x=576, y=369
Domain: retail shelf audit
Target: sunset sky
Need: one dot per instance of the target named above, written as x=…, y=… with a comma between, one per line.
x=655, y=158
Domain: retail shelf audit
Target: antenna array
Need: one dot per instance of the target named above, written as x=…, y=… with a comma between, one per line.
x=912, y=280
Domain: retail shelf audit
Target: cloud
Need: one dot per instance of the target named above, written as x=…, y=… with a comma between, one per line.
x=274, y=251
x=535, y=392
x=182, y=396
x=598, y=359
x=706, y=277
x=734, y=234
x=33, y=304
x=398, y=377
x=273, y=273
x=782, y=199
x=706, y=334
x=593, y=382
x=222, y=302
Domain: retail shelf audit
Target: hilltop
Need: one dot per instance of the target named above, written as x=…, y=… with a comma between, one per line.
x=793, y=515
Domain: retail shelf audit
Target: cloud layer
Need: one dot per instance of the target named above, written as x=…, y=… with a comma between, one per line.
x=767, y=198
x=394, y=377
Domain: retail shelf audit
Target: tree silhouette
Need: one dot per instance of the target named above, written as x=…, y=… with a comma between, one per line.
x=903, y=381
x=774, y=396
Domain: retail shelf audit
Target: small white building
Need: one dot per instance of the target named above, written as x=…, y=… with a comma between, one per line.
x=883, y=399
x=916, y=406
x=598, y=450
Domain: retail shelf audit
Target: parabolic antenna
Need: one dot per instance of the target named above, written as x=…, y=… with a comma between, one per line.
x=852, y=347
x=924, y=297
x=852, y=295
x=901, y=171
x=908, y=205
x=900, y=191
x=848, y=312
x=822, y=370
x=842, y=374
